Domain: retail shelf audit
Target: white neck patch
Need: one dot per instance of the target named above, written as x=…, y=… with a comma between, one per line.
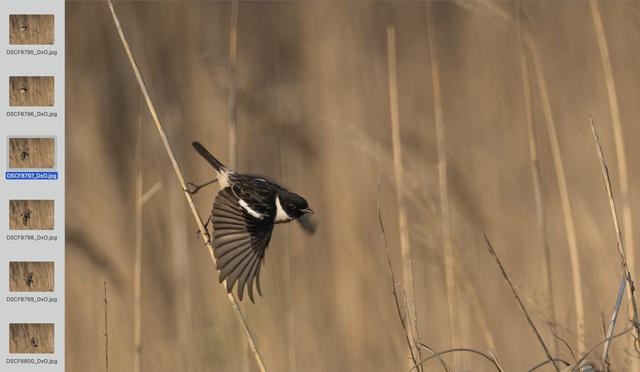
x=281, y=215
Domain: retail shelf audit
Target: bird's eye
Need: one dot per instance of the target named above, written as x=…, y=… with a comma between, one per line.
x=291, y=206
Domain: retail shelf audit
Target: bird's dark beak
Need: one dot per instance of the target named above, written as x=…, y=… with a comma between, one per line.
x=306, y=210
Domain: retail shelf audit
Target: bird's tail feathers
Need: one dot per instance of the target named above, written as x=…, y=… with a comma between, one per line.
x=215, y=163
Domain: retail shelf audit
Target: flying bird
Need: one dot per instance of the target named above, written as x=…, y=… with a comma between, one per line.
x=243, y=216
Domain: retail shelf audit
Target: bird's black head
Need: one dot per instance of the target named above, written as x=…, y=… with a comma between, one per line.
x=293, y=204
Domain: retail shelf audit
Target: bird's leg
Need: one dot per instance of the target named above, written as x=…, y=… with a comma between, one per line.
x=192, y=188
x=206, y=228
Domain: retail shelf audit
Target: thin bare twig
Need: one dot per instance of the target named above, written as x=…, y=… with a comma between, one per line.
x=540, y=365
x=434, y=352
x=612, y=322
x=383, y=235
x=519, y=301
x=605, y=361
x=234, y=304
x=626, y=274
x=412, y=298
x=493, y=356
x=618, y=136
x=106, y=327
x=415, y=341
x=573, y=355
x=465, y=350
x=602, y=342
x=418, y=343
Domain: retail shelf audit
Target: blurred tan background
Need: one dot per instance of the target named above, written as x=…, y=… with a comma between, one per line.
x=313, y=112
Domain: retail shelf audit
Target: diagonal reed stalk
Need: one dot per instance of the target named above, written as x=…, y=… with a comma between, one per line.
x=564, y=193
x=180, y=176
x=405, y=247
x=580, y=361
x=621, y=157
x=497, y=363
x=626, y=273
x=519, y=301
x=443, y=188
x=535, y=173
x=476, y=305
x=404, y=321
x=612, y=324
x=618, y=137
x=498, y=12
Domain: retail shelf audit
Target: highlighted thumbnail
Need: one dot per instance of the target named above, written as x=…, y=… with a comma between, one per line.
x=33, y=153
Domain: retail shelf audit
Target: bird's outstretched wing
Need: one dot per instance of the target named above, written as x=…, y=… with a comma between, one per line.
x=240, y=241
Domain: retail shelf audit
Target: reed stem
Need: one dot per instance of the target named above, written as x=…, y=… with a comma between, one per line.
x=443, y=187
x=618, y=136
x=537, y=184
x=626, y=273
x=405, y=247
x=564, y=194
x=163, y=136
x=137, y=265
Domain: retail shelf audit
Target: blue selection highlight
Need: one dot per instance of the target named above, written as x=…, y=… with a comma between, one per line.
x=31, y=175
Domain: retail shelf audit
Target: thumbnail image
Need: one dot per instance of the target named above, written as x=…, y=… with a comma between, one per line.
x=31, y=338
x=31, y=276
x=33, y=29
x=31, y=91
x=31, y=215
x=35, y=153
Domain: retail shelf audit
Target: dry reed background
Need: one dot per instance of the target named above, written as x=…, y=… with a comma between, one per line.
x=314, y=109
x=34, y=29
x=31, y=276
x=31, y=153
x=31, y=214
x=31, y=338
x=31, y=91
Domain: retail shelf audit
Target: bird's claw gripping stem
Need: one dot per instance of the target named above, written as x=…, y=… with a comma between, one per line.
x=206, y=228
x=192, y=188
